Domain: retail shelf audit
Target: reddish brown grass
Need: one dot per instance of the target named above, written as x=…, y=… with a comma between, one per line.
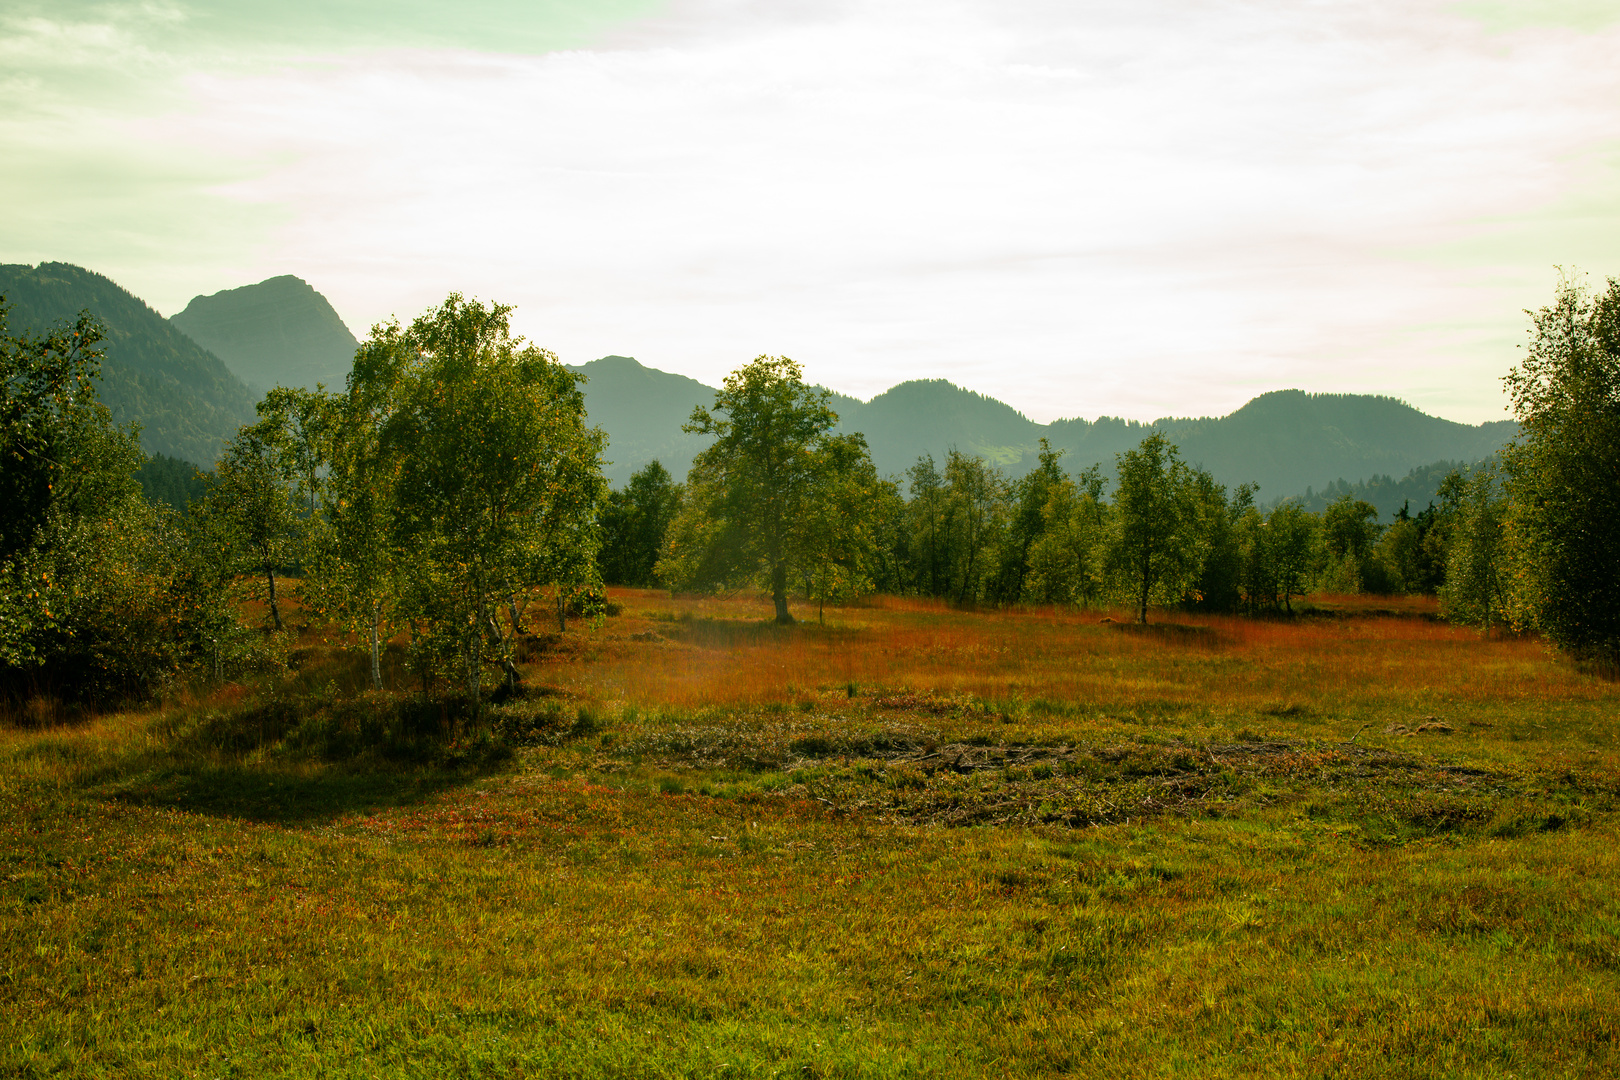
x=1365, y=658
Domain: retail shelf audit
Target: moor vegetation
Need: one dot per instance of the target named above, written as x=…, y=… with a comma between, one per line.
x=360, y=767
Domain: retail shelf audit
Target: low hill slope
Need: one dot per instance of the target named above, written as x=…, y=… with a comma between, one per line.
x=186, y=401
x=280, y=332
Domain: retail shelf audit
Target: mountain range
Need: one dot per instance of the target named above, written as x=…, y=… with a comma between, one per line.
x=191, y=380
x=1285, y=441
x=186, y=401
x=280, y=332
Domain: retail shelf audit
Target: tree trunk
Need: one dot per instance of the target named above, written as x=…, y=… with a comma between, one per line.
x=475, y=668
x=779, y=593
x=275, y=608
x=1147, y=581
x=376, y=646
x=562, y=612
x=504, y=643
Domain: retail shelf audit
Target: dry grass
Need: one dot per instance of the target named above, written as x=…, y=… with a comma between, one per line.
x=722, y=848
x=1332, y=672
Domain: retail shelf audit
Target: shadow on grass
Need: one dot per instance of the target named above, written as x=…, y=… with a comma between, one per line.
x=1170, y=632
x=304, y=760
x=285, y=796
x=739, y=633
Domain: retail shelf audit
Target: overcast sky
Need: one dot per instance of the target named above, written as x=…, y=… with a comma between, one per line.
x=1138, y=208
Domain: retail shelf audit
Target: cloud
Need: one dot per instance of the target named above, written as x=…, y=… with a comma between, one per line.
x=1136, y=208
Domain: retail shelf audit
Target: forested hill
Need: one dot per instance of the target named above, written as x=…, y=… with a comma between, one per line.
x=280, y=332
x=1286, y=441
x=185, y=399
x=642, y=410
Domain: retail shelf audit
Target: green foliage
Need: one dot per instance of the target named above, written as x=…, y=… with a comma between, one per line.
x=839, y=541
x=1219, y=584
x=1065, y=557
x=1026, y=521
x=498, y=483
x=354, y=566
x=975, y=522
x=1473, y=589
x=96, y=597
x=1563, y=473
x=251, y=510
x=1154, y=551
x=930, y=540
x=1391, y=496
x=772, y=466
x=1414, y=548
x=635, y=521
x=1277, y=551
x=171, y=482
x=1350, y=532
x=56, y=438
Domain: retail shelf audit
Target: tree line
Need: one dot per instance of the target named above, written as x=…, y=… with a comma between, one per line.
x=779, y=502
x=454, y=483
x=1528, y=541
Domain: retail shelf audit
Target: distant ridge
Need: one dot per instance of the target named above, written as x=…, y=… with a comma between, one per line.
x=1286, y=441
x=186, y=401
x=280, y=332
x=642, y=410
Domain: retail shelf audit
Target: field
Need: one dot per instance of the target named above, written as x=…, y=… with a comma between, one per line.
x=912, y=841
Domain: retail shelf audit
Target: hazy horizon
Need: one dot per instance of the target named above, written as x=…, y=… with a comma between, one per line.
x=1139, y=210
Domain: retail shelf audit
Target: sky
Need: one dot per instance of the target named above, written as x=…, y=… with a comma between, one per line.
x=1140, y=208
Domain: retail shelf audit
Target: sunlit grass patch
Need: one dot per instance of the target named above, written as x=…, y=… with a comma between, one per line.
x=915, y=841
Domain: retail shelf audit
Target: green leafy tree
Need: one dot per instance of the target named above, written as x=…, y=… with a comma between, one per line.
x=750, y=492
x=93, y=601
x=839, y=540
x=930, y=544
x=635, y=521
x=1563, y=473
x=248, y=494
x=299, y=425
x=1350, y=535
x=1153, y=554
x=975, y=520
x=498, y=483
x=1026, y=522
x=1473, y=589
x=356, y=570
x=1064, y=562
x=1219, y=582
x=54, y=433
x=1278, y=550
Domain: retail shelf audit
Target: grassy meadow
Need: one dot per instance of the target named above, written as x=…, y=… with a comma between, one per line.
x=912, y=841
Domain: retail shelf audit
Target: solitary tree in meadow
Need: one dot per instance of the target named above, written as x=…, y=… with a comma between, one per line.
x=750, y=492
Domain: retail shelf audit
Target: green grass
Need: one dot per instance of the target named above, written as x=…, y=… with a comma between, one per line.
x=884, y=883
